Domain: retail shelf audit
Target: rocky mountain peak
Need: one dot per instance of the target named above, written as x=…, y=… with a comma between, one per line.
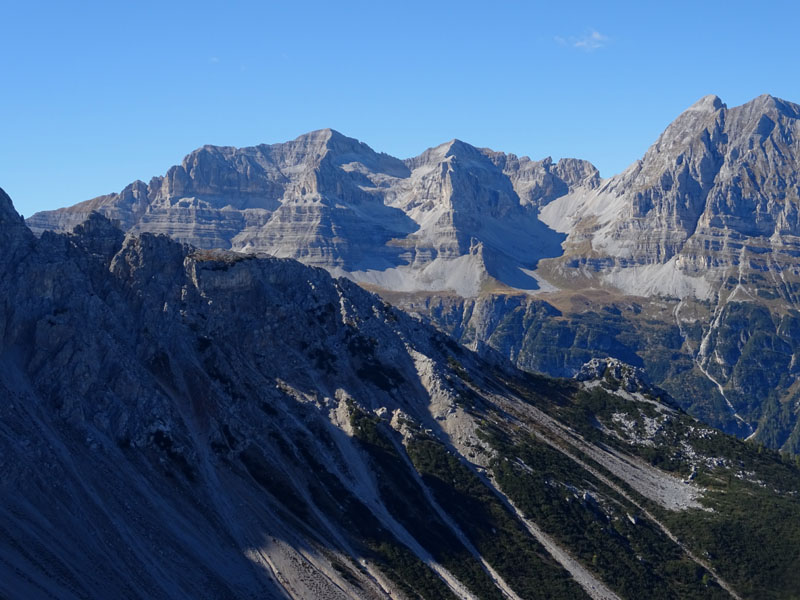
x=455, y=148
x=8, y=215
x=693, y=132
x=715, y=173
x=761, y=118
x=13, y=232
x=709, y=103
x=319, y=136
x=458, y=148
x=254, y=175
x=767, y=103
x=330, y=140
x=330, y=200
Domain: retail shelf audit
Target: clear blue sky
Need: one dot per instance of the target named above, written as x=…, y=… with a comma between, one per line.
x=97, y=94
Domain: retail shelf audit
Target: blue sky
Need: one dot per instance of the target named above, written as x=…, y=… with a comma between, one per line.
x=98, y=94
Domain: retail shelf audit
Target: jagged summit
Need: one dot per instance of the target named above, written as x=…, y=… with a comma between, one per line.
x=715, y=173
x=317, y=139
x=8, y=213
x=767, y=102
x=709, y=103
x=330, y=140
x=324, y=134
x=716, y=176
x=764, y=102
x=455, y=148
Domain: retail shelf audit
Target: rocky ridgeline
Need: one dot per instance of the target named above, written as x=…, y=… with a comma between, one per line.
x=711, y=209
x=331, y=201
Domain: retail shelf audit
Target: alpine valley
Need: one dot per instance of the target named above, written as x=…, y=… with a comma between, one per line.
x=686, y=265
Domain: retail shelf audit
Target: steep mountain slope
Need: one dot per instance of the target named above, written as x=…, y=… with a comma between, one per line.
x=711, y=209
x=454, y=218
x=557, y=333
x=686, y=264
x=193, y=423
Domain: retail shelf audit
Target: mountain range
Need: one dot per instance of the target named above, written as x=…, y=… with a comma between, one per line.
x=188, y=422
x=685, y=265
x=454, y=218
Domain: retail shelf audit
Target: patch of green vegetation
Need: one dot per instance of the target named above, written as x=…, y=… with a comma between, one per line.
x=751, y=537
x=591, y=407
x=496, y=534
x=778, y=422
x=458, y=369
x=600, y=528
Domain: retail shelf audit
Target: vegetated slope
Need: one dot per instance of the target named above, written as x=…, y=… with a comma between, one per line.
x=734, y=368
x=188, y=423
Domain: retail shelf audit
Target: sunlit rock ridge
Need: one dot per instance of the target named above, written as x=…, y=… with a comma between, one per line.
x=712, y=202
x=712, y=207
x=454, y=218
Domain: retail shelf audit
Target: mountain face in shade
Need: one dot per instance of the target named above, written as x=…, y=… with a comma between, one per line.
x=686, y=264
x=192, y=423
x=454, y=218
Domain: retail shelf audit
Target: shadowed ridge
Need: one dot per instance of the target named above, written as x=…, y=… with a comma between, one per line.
x=8, y=214
x=15, y=237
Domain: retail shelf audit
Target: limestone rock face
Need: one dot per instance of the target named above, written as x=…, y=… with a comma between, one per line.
x=713, y=202
x=711, y=208
x=540, y=182
x=455, y=217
